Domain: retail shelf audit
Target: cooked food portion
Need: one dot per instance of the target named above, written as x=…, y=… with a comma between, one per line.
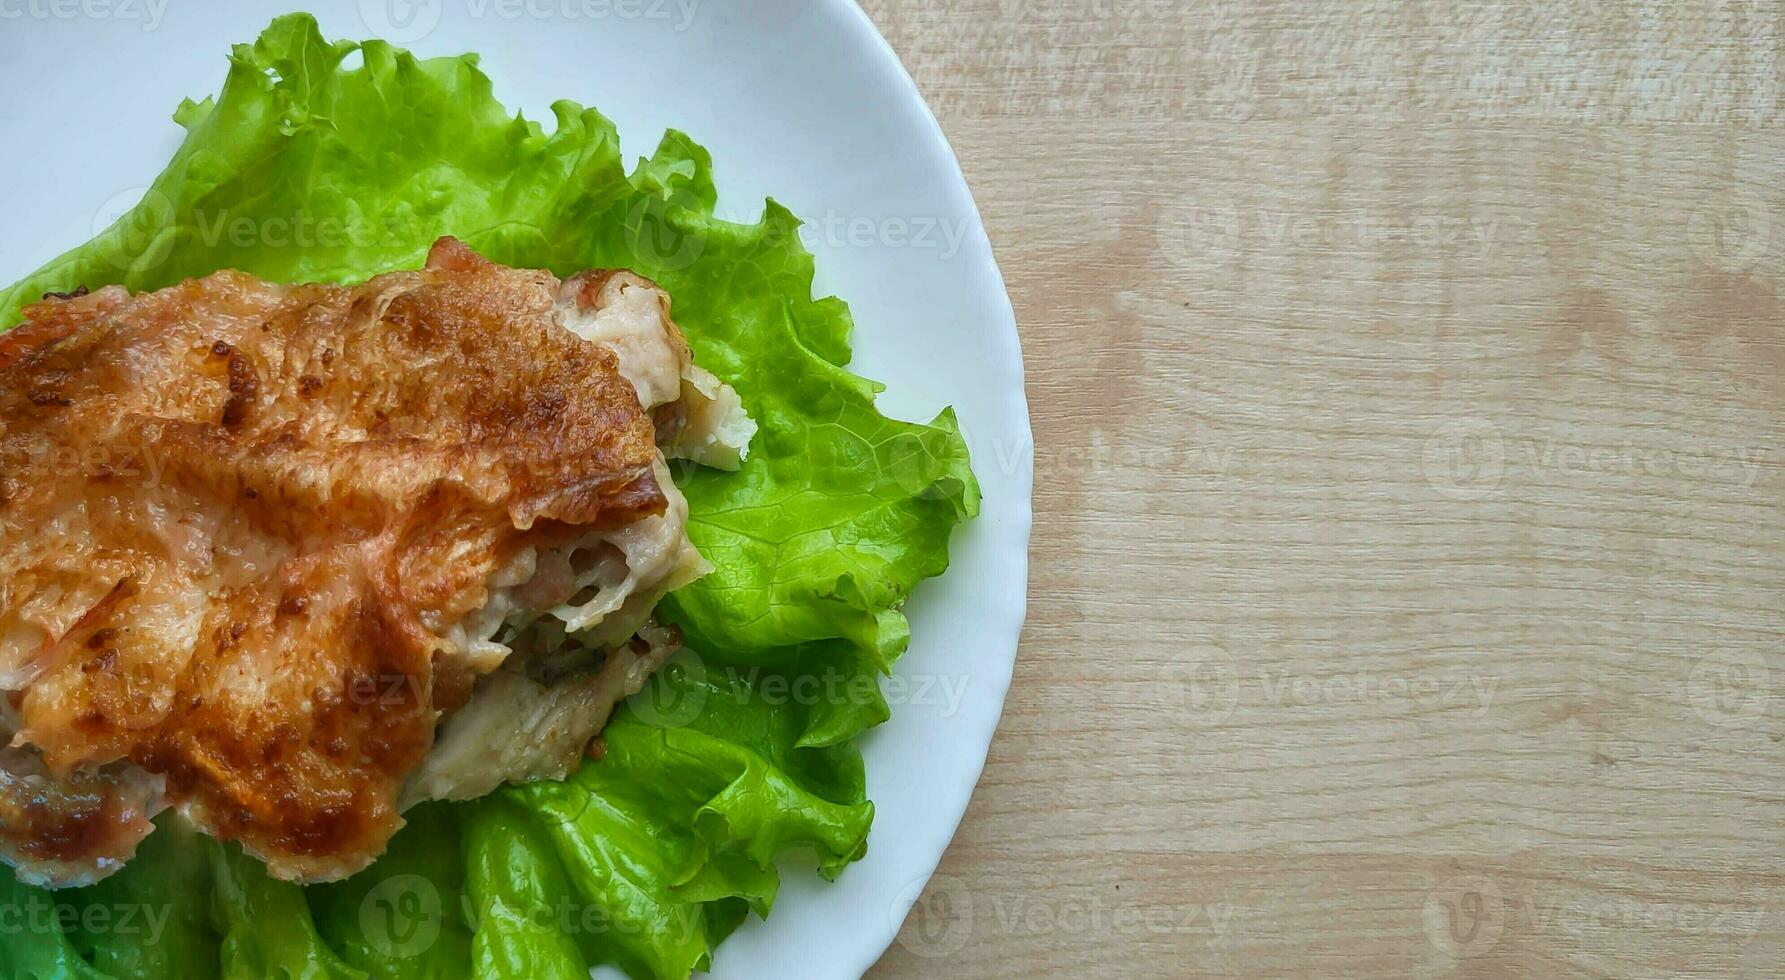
x=291, y=558
x=77, y=828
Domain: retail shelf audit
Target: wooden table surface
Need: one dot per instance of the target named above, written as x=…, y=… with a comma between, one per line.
x=1408, y=587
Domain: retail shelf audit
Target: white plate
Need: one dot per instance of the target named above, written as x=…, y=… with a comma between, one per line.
x=799, y=100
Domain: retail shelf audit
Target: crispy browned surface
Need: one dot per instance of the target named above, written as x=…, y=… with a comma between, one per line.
x=233, y=516
x=74, y=830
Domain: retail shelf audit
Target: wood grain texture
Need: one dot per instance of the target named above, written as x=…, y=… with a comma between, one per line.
x=1408, y=587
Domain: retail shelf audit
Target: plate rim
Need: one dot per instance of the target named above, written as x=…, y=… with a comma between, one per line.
x=1022, y=518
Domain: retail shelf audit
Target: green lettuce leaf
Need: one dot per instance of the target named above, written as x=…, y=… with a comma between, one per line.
x=301, y=170
x=156, y=923
x=406, y=921
x=266, y=927
x=37, y=945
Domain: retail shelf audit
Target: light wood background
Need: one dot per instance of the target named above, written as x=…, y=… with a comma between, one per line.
x=1409, y=568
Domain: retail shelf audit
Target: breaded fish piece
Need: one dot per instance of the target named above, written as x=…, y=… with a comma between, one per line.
x=257, y=540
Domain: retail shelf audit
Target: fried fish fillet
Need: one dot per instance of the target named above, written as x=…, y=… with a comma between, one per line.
x=291, y=558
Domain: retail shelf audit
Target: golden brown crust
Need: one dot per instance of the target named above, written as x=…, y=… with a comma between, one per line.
x=54, y=319
x=263, y=502
x=73, y=830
